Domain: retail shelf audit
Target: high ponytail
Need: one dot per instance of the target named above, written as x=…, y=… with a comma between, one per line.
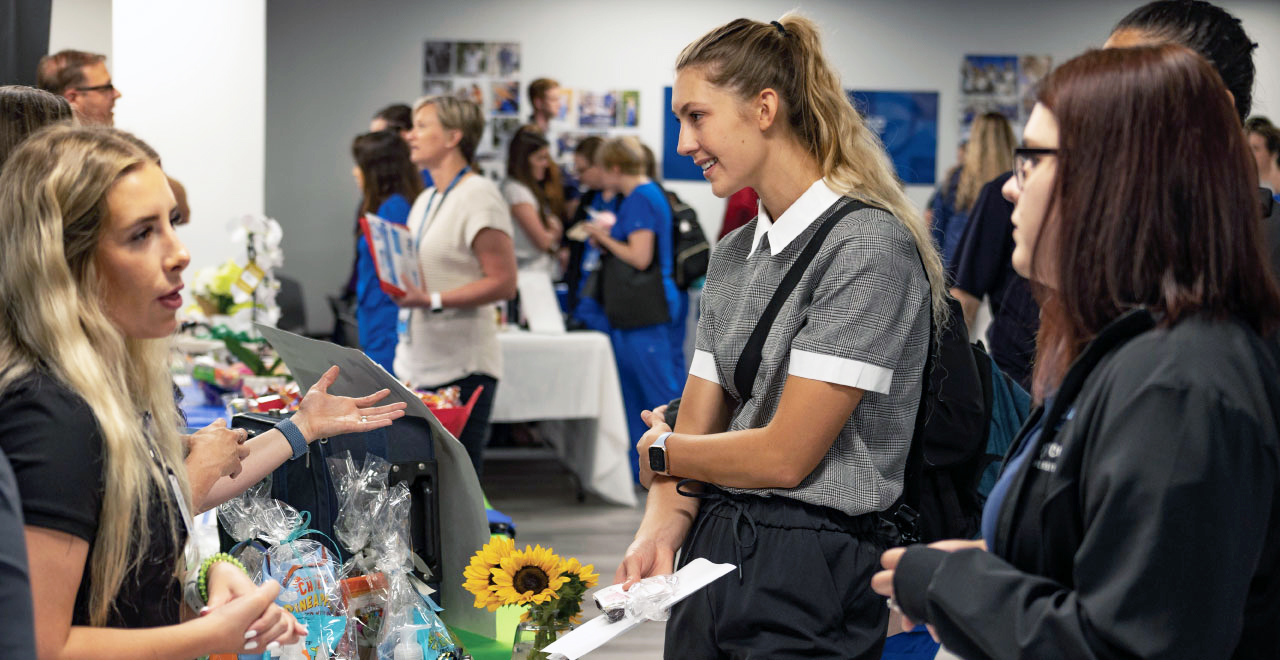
x=746, y=56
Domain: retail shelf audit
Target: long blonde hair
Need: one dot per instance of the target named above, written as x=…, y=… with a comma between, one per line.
x=747, y=56
x=988, y=155
x=53, y=207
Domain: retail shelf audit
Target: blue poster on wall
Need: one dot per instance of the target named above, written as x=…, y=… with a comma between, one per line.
x=675, y=166
x=907, y=123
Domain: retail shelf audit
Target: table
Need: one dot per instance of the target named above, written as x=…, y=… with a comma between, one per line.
x=571, y=377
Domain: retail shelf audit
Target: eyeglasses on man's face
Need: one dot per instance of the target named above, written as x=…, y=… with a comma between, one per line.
x=1025, y=159
x=106, y=89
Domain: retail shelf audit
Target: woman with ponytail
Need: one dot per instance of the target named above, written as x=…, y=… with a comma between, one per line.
x=785, y=475
x=91, y=271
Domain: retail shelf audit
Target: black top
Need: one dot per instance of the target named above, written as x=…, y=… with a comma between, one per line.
x=18, y=624
x=1145, y=522
x=52, y=439
x=984, y=267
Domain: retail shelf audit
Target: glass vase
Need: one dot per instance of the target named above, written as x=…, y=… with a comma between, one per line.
x=531, y=638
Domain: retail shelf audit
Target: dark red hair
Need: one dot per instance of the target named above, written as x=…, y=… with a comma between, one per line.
x=1154, y=205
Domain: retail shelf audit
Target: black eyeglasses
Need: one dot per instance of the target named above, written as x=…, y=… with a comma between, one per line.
x=107, y=88
x=1025, y=159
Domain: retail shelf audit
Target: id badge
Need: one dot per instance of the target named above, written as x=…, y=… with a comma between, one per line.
x=403, y=323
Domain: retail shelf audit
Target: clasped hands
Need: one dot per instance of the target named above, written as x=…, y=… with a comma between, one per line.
x=243, y=617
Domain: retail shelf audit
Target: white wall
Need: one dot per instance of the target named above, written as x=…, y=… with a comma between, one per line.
x=332, y=64
x=192, y=75
x=81, y=25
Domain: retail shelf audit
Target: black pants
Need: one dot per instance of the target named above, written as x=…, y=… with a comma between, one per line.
x=475, y=435
x=804, y=589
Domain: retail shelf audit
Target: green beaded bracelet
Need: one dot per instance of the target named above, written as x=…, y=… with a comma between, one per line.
x=203, y=581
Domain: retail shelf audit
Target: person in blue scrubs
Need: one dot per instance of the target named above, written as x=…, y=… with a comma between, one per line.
x=647, y=368
x=390, y=182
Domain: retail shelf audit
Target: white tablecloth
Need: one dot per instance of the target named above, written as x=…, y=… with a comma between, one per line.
x=571, y=377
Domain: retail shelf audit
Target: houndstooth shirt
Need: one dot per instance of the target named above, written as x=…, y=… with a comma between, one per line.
x=858, y=317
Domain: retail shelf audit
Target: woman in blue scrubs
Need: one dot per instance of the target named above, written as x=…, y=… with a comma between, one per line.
x=642, y=232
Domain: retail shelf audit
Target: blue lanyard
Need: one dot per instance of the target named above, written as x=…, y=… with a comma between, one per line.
x=426, y=217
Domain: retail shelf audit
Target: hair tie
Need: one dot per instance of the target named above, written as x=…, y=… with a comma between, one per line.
x=781, y=30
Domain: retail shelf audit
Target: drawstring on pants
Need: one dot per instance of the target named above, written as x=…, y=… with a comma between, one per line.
x=715, y=499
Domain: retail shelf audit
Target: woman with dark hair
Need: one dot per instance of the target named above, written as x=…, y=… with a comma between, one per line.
x=23, y=111
x=1137, y=515
x=388, y=181
x=1264, y=141
x=536, y=197
x=396, y=117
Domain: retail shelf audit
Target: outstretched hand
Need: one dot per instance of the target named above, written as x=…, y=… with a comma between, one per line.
x=323, y=415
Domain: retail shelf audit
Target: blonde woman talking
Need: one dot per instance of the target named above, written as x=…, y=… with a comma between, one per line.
x=784, y=474
x=91, y=271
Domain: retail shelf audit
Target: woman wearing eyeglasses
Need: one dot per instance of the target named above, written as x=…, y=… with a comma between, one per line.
x=1138, y=515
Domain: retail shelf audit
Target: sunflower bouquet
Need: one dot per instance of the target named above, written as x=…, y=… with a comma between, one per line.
x=552, y=587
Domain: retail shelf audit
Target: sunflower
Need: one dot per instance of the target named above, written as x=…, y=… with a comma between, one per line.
x=479, y=581
x=585, y=574
x=528, y=577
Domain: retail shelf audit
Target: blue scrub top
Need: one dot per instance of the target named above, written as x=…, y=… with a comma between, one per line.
x=376, y=313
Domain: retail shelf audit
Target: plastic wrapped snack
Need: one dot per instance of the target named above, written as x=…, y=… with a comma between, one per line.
x=389, y=612
x=645, y=600
x=305, y=569
x=411, y=627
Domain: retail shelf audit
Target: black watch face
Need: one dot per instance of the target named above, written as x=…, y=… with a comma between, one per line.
x=657, y=459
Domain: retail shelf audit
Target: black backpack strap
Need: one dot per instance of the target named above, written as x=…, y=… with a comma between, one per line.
x=904, y=514
x=744, y=374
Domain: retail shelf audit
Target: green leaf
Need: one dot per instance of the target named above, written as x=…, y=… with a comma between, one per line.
x=248, y=357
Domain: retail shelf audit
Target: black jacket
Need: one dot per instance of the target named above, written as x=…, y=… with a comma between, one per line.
x=1144, y=524
x=1271, y=229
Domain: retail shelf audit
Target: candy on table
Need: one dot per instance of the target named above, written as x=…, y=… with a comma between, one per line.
x=446, y=397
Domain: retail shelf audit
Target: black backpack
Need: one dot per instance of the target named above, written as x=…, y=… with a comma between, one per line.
x=690, y=250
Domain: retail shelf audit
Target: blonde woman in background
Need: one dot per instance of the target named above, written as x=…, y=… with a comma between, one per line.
x=449, y=330
x=639, y=236
x=988, y=154
x=786, y=476
x=92, y=269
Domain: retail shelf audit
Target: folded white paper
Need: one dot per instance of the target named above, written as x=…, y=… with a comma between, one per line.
x=598, y=631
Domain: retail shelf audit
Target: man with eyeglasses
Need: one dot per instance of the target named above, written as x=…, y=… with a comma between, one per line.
x=85, y=82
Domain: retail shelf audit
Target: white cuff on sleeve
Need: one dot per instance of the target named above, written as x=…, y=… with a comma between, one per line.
x=841, y=371
x=704, y=366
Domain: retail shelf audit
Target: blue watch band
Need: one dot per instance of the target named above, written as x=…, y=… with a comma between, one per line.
x=294, y=436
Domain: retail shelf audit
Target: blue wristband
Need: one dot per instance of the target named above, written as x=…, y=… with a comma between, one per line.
x=294, y=436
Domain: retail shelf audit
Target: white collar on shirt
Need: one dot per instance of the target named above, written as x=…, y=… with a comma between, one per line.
x=807, y=208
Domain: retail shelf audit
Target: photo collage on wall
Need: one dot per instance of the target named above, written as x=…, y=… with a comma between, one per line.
x=595, y=112
x=487, y=73
x=1000, y=83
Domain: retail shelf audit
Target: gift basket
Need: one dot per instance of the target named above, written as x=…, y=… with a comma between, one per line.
x=306, y=570
x=391, y=614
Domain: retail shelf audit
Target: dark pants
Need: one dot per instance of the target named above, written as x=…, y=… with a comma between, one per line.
x=804, y=589
x=475, y=435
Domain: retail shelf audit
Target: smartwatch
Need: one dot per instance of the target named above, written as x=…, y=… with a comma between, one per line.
x=437, y=305
x=658, y=455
